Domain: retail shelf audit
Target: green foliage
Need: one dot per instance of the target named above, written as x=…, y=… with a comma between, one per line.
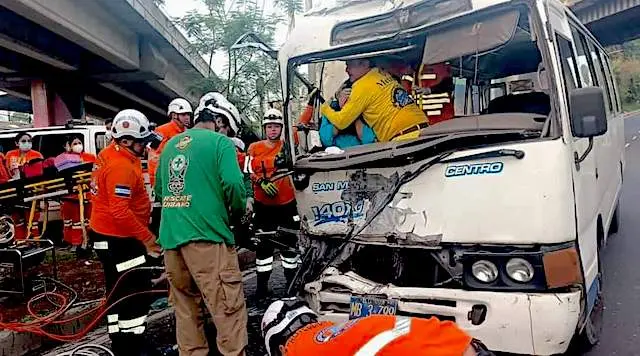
x=250, y=77
x=626, y=67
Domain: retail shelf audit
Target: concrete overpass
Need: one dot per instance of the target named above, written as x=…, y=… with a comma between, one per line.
x=71, y=57
x=611, y=21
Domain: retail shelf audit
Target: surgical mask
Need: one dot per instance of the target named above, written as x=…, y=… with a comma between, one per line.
x=24, y=146
x=77, y=148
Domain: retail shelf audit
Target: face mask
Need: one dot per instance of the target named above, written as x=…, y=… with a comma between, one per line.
x=24, y=146
x=77, y=148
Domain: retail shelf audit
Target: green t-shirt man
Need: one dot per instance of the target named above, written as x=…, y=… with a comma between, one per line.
x=200, y=185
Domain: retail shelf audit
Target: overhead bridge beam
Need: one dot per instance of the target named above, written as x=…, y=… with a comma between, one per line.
x=601, y=9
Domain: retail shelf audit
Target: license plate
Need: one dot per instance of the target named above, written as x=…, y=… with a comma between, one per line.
x=364, y=306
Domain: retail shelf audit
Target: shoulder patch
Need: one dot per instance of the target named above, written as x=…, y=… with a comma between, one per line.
x=333, y=331
x=401, y=97
x=123, y=191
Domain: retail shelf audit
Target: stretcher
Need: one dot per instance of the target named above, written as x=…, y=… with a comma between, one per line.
x=17, y=256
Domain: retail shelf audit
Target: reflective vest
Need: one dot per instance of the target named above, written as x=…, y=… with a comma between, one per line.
x=380, y=335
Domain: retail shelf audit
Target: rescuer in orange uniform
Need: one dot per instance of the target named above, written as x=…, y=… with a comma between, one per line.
x=275, y=204
x=120, y=233
x=290, y=328
x=180, y=117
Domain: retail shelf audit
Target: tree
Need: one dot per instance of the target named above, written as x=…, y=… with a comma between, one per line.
x=214, y=32
x=290, y=8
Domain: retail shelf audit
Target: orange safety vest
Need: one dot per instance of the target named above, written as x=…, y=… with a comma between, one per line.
x=167, y=131
x=381, y=335
x=120, y=204
x=262, y=155
x=4, y=173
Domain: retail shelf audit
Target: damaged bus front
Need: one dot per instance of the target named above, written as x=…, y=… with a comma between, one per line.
x=495, y=215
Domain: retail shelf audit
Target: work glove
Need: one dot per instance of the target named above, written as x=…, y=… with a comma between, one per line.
x=268, y=187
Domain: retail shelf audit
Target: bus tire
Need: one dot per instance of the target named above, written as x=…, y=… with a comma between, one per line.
x=592, y=331
x=614, y=227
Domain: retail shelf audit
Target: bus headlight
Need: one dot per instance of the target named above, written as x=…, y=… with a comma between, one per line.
x=485, y=271
x=520, y=270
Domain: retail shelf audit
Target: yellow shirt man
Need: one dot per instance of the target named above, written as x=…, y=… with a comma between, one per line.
x=383, y=103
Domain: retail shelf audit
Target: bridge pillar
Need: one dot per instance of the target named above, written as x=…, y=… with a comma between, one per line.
x=54, y=106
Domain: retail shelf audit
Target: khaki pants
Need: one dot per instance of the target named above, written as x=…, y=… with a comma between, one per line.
x=211, y=271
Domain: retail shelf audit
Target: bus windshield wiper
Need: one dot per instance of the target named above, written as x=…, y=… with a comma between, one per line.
x=490, y=154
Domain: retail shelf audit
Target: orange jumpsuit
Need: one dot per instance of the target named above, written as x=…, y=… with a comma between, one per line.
x=15, y=158
x=120, y=203
x=262, y=156
x=381, y=335
x=70, y=209
x=167, y=131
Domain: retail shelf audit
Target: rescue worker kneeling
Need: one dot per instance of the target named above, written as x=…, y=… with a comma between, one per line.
x=275, y=204
x=291, y=328
x=120, y=236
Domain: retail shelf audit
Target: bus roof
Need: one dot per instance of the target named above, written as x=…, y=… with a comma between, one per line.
x=361, y=21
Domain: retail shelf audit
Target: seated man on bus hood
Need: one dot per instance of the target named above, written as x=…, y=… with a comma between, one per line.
x=383, y=103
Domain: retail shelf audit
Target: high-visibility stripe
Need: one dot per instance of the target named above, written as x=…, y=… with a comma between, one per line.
x=407, y=78
x=284, y=323
x=265, y=261
x=438, y=101
x=296, y=218
x=157, y=204
x=247, y=164
x=101, y=245
x=290, y=259
x=441, y=95
x=432, y=107
x=113, y=329
x=112, y=318
x=402, y=327
x=289, y=265
x=428, y=76
x=137, y=330
x=123, y=266
x=266, y=268
x=433, y=113
x=130, y=323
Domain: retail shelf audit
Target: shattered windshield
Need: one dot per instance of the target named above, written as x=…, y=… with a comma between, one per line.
x=492, y=79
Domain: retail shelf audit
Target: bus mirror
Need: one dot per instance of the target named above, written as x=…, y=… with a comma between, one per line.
x=588, y=115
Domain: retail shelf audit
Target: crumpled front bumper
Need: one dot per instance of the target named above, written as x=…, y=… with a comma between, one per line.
x=523, y=323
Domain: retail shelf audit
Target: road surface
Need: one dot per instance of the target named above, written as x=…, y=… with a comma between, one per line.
x=622, y=261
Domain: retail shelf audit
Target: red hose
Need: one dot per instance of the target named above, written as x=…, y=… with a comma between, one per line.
x=38, y=325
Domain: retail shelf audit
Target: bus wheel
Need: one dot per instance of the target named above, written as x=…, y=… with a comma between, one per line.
x=592, y=331
x=614, y=227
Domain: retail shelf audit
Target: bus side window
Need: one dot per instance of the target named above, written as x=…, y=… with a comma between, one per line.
x=585, y=64
x=568, y=65
x=606, y=84
x=611, y=80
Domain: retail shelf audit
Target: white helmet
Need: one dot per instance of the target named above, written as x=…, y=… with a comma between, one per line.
x=282, y=319
x=238, y=143
x=179, y=106
x=272, y=116
x=132, y=123
x=216, y=103
x=211, y=95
